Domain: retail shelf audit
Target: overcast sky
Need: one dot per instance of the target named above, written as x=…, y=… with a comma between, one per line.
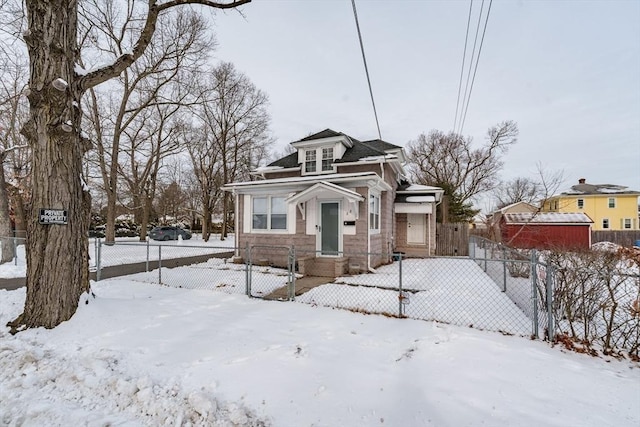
x=568, y=72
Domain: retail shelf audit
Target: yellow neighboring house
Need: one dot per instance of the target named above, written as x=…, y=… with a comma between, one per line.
x=611, y=207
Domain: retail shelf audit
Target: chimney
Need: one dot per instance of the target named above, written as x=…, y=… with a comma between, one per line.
x=581, y=181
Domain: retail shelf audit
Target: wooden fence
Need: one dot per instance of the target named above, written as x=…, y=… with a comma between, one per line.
x=619, y=237
x=452, y=239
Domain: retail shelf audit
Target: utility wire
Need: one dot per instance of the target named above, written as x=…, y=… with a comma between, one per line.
x=464, y=56
x=473, y=54
x=464, y=118
x=366, y=69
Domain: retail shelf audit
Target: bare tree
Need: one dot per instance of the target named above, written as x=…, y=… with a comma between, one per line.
x=234, y=137
x=449, y=161
x=161, y=82
x=520, y=189
x=13, y=73
x=531, y=190
x=57, y=255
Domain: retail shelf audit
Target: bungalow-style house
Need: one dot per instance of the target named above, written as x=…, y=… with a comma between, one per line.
x=612, y=207
x=342, y=203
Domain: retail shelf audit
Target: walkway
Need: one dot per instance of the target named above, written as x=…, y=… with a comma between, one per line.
x=304, y=284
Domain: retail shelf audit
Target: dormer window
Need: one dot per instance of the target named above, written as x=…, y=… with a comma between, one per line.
x=310, y=161
x=327, y=159
x=318, y=160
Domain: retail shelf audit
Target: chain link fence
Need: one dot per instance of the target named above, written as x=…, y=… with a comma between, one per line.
x=522, y=277
x=525, y=293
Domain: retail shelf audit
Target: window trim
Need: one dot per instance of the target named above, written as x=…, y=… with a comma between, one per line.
x=611, y=203
x=608, y=224
x=318, y=159
x=580, y=203
x=329, y=157
x=624, y=223
x=374, y=217
x=310, y=161
x=269, y=213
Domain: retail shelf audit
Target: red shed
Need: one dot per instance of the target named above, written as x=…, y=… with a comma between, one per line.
x=546, y=230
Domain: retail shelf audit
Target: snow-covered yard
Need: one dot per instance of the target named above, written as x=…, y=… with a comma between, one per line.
x=129, y=250
x=145, y=354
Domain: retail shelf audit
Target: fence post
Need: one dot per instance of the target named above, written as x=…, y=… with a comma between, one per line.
x=504, y=269
x=159, y=264
x=485, y=258
x=249, y=270
x=292, y=273
x=400, y=295
x=98, y=260
x=15, y=249
x=534, y=291
x=147, y=263
x=550, y=326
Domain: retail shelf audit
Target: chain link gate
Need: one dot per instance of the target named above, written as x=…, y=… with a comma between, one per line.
x=271, y=272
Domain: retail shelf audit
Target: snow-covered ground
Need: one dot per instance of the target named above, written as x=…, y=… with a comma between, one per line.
x=129, y=250
x=145, y=354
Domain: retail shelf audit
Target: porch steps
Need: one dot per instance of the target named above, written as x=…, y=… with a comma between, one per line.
x=323, y=267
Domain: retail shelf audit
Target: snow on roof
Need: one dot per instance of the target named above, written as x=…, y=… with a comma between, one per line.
x=268, y=168
x=378, y=158
x=547, y=218
x=418, y=188
x=420, y=199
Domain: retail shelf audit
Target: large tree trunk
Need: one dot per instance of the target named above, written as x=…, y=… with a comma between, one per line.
x=57, y=255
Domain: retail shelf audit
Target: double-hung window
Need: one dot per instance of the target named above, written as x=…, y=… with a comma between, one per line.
x=612, y=202
x=269, y=213
x=627, y=224
x=327, y=159
x=310, y=161
x=374, y=212
x=605, y=223
x=580, y=203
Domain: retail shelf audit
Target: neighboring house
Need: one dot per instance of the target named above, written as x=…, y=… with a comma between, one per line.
x=611, y=207
x=494, y=218
x=340, y=202
x=546, y=230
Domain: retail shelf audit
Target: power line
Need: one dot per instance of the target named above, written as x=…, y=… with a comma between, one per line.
x=476, y=67
x=473, y=53
x=366, y=69
x=464, y=56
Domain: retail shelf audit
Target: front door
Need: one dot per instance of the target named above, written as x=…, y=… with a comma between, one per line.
x=329, y=228
x=415, y=229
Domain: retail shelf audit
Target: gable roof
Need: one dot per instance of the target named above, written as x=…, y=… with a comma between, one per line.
x=523, y=204
x=546, y=218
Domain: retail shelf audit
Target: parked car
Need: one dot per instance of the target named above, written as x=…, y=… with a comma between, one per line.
x=169, y=233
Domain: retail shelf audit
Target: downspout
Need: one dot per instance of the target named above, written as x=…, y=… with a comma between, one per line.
x=429, y=234
x=236, y=230
x=369, y=233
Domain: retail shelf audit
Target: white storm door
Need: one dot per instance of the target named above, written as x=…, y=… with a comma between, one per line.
x=416, y=229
